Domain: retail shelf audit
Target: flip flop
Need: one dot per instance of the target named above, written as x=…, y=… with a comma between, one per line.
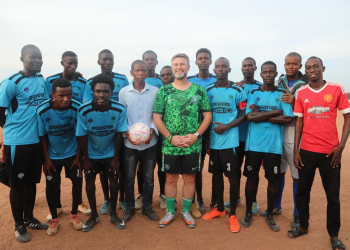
x=337, y=243
x=296, y=233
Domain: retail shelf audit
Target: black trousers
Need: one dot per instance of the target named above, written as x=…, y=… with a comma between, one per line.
x=331, y=183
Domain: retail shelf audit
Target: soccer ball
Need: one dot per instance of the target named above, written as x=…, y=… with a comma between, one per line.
x=139, y=132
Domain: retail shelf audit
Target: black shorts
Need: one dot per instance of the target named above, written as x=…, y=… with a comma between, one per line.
x=100, y=165
x=182, y=164
x=224, y=161
x=24, y=164
x=72, y=174
x=272, y=165
x=241, y=153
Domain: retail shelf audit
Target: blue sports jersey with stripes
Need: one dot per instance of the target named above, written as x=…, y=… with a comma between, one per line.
x=156, y=82
x=203, y=82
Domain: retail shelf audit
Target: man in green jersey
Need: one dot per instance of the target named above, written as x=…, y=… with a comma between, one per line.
x=177, y=113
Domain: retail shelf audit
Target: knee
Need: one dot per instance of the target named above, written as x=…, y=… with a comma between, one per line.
x=273, y=186
x=190, y=179
x=113, y=182
x=250, y=185
x=233, y=181
x=217, y=176
x=51, y=184
x=90, y=183
x=171, y=179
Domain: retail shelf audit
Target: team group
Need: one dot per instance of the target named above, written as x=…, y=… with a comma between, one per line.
x=82, y=125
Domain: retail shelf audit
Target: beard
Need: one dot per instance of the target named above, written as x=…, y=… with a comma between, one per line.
x=180, y=76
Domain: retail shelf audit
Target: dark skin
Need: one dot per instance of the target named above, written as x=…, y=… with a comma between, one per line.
x=151, y=63
x=203, y=61
x=222, y=69
x=106, y=62
x=70, y=65
x=314, y=71
x=139, y=73
x=61, y=100
x=248, y=70
x=166, y=76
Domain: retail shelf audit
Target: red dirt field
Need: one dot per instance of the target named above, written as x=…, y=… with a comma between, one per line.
x=141, y=233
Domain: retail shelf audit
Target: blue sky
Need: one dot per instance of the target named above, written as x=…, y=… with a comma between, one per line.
x=264, y=30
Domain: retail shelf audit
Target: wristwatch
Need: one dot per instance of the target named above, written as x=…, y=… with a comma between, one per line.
x=198, y=135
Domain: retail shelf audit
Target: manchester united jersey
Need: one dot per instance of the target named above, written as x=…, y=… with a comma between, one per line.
x=319, y=109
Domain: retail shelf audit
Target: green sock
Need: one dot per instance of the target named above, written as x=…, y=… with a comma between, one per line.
x=186, y=204
x=170, y=202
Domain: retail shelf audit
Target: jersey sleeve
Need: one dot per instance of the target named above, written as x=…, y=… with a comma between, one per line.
x=41, y=125
x=242, y=100
x=298, y=106
x=88, y=95
x=8, y=90
x=159, y=102
x=343, y=103
x=287, y=109
x=122, y=122
x=204, y=105
x=250, y=101
x=47, y=89
x=81, y=125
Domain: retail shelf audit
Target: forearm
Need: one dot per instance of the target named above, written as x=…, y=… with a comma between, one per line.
x=263, y=116
x=84, y=147
x=280, y=119
x=298, y=131
x=45, y=145
x=205, y=123
x=238, y=121
x=346, y=130
x=157, y=121
x=118, y=143
x=2, y=116
x=78, y=148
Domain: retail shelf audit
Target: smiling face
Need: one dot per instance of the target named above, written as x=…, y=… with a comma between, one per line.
x=203, y=61
x=180, y=67
x=102, y=93
x=62, y=96
x=314, y=69
x=32, y=60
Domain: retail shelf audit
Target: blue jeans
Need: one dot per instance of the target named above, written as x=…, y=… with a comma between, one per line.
x=131, y=158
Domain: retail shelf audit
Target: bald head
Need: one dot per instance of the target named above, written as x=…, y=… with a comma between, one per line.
x=294, y=54
x=26, y=48
x=223, y=59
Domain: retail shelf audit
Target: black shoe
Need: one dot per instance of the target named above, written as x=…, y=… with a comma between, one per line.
x=91, y=222
x=149, y=212
x=117, y=221
x=295, y=221
x=247, y=220
x=21, y=233
x=128, y=214
x=35, y=224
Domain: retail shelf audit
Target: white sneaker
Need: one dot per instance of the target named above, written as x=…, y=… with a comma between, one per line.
x=138, y=202
x=84, y=209
x=49, y=217
x=162, y=202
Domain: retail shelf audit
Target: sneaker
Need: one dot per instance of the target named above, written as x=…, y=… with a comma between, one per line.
x=35, y=224
x=213, y=204
x=149, y=212
x=227, y=203
x=128, y=214
x=247, y=220
x=275, y=211
x=105, y=207
x=122, y=205
x=84, y=209
x=186, y=216
x=169, y=217
x=74, y=219
x=21, y=233
x=295, y=221
x=272, y=223
x=162, y=202
x=195, y=212
x=138, y=202
x=117, y=221
x=54, y=224
x=91, y=222
x=200, y=206
x=214, y=214
x=255, y=208
x=49, y=217
x=234, y=225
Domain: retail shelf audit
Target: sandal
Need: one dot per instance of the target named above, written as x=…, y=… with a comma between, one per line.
x=337, y=243
x=295, y=233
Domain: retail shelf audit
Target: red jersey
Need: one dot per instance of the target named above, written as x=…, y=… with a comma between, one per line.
x=319, y=109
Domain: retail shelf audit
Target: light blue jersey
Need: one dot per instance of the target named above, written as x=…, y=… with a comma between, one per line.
x=59, y=126
x=120, y=81
x=78, y=86
x=21, y=95
x=203, y=82
x=226, y=104
x=156, y=82
x=266, y=137
x=243, y=128
x=100, y=128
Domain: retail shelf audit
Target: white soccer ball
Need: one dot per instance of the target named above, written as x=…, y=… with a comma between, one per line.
x=139, y=132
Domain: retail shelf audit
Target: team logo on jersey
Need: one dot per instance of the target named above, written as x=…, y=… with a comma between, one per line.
x=48, y=119
x=159, y=85
x=211, y=97
x=195, y=99
x=258, y=99
x=118, y=85
x=113, y=118
x=318, y=110
x=70, y=118
x=78, y=88
x=306, y=100
x=167, y=167
x=49, y=178
x=249, y=168
x=20, y=175
x=328, y=98
x=26, y=89
x=277, y=100
x=42, y=86
x=90, y=120
x=230, y=96
x=275, y=170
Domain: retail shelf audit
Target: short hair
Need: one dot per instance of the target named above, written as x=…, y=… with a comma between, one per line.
x=223, y=58
x=149, y=52
x=203, y=50
x=166, y=67
x=315, y=57
x=101, y=78
x=60, y=83
x=68, y=53
x=136, y=62
x=249, y=58
x=269, y=63
x=294, y=54
x=26, y=48
x=104, y=51
x=182, y=55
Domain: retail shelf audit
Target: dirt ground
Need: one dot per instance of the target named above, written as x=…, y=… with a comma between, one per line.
x=141, y=233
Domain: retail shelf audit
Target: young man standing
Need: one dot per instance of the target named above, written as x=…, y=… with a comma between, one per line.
x=266, y=115
x=101, y=123
x=203, y=78
x=138, y=100
x=106, y=62
x=20, y=94
x=225, y=100
x=70, y=65
x=57, y=120
x=316, y=107
x=177, y=114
